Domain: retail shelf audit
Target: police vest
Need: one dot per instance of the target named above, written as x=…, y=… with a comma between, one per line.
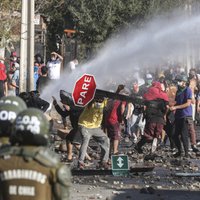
x=32, y=173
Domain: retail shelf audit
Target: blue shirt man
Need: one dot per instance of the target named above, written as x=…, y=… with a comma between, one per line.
x=183, y=113
x=182, y=97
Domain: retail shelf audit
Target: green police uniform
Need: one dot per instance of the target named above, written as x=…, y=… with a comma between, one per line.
x=28, y=169
x=32, y=173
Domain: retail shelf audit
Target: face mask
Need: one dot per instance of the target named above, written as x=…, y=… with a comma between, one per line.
x=97, y=105
x=14, y=59
x=149, y=82
x=179, y=83
x=53, y=58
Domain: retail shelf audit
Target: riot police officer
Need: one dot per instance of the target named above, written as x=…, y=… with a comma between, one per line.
x=28, y=169
x=10, y=106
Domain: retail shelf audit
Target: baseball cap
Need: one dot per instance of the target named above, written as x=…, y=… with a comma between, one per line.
x=149, y=76
x=181, y=78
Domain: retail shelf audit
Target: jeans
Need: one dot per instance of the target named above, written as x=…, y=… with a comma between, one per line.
x=100, y=137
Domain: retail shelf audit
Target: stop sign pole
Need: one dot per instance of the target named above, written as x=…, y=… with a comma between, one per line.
x=84, y=90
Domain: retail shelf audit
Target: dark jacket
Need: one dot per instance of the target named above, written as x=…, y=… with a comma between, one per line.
x=73, y=114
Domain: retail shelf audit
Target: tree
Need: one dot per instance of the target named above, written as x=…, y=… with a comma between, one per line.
x=10, y=21
x=98, y=19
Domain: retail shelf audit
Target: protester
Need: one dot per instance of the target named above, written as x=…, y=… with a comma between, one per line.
x=114, y=116
x=90, y=126
x=198, y=109
x=13, y=59
x=192, y=82
x=135, y=120
x=156, y=102
x=148, y=81
x=36, y=75
x=3, y=79
x=11, y=88
x=33, y=100
x=43, y=80
x=183, y=114
x=74, y=136
x=15, y=78
x=39, y=61
x=54, y=66
x=170, y=116
x=73, y=64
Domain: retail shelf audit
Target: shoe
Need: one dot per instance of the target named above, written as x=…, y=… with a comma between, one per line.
x=135, y=140
x=138, y=149
x=69, y=160
x=127, y=139
x=81, y=165
x=194, y=149
x=154, y=145
x=186, y=155
x=177, y=154
x=103, y=165
x=89, y=162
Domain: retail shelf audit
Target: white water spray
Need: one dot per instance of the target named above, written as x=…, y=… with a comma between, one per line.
x=164, y=38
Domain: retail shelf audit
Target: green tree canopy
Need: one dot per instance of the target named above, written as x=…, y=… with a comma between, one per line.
x=10, y=18
x=98, y=19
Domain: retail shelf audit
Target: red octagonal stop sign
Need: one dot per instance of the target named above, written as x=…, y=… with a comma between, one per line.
x=84, y=90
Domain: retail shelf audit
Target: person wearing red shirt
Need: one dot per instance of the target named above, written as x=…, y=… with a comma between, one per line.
x=3, y=79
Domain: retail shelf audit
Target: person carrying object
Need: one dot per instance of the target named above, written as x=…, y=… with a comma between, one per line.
x=89, y=123
x=156, y=103
x=74, y=136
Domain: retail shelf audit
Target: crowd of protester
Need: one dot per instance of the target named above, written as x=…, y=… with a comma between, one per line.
x=43, y=73
x=164, y=109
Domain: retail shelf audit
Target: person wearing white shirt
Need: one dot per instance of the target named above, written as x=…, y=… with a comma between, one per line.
x=72, y=64
x=54, y=66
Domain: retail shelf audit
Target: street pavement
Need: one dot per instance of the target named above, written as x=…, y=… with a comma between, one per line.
x=159, y=184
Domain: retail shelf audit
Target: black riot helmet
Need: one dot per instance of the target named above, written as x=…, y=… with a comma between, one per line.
x=10, y=106
x=30, y=127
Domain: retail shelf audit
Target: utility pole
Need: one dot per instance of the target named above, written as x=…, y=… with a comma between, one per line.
x=30, y=45
x=23, y=48
x=27, y=46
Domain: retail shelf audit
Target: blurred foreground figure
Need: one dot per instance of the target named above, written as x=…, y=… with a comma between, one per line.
x=10, y=106
x=28, y=169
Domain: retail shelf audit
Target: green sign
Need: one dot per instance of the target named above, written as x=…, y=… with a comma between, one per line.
x=120, y=165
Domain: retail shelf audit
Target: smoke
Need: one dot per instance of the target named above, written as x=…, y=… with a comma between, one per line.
x=164, y=39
